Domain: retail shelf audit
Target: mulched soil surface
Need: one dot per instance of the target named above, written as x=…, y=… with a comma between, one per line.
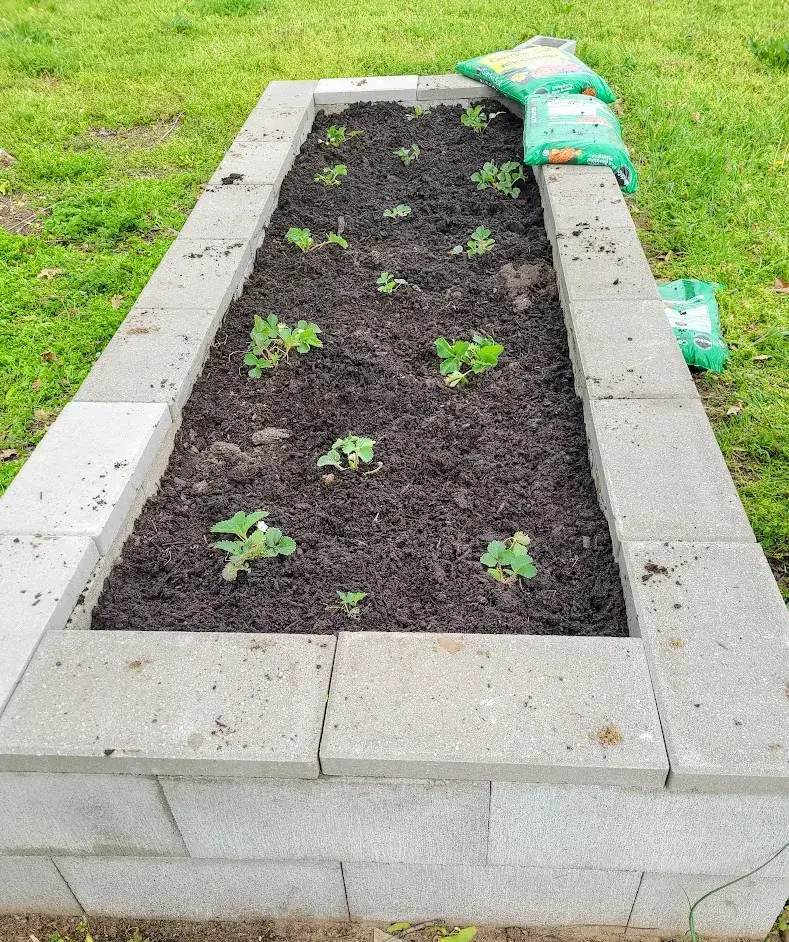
x=460, y=467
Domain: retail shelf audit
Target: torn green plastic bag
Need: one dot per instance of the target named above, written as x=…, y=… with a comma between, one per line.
x=575, y=129
x=536, y=70
x=693, y=314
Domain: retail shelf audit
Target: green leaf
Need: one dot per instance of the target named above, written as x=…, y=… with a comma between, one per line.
x=236, y=524
x=449, y=365
x=443, y=348
x=496, y=548
x=398, y=927
x=227, y=547
x=463, y=935
x=366, y=453
x=286, y=546
x=488, y=559
x=331, y=458
x=272, y=536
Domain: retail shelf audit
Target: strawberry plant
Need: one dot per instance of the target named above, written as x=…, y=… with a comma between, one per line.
x=336, y=136
x=387, y=283
x=478, y=119
x=302, y=239
x=501, y=178
x=349, y=603
x=417, y=112
x=263, y=542
x=332, y=176
x=397, y=212
x=507, y=560
x=272, y=341
x=463, y=358
x=408, y=154
x=480, y=243
x=353, y=449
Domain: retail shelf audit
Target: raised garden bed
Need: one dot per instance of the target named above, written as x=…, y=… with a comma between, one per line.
x=458, y=466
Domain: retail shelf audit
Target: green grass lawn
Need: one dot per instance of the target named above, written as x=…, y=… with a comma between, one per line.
x=118, y=111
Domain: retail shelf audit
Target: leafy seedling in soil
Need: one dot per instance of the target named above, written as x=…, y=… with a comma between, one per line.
x=335, y=136
x=263, y=542
x=272, y=341
x=507, y=560
x=397, y=212
x=387, y=283
x=408, y=154
x=302, y=239
x=353, y=449
x=417, y=112
x=478, y=119
x=332, y=176
x=463, y=358
x=480, y=243
x=501, y=178
x=349, y=603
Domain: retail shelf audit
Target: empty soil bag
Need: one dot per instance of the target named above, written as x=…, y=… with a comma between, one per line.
x=693, y=314
x=574, y=129
x=536, y=70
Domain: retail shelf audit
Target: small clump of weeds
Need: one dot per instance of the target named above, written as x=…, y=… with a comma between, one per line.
x=346, y=454
x=507, y=560
x=463, y=358
x=480, y=243
x=387, y=283
x=478, y=119
x=772, y=51
x=271, y=341
x=302, y=239
x=501, y=178
x=349, y=603
x=332, y=176
x=263, y=542
x=397, y=212
x=417, y=112
x=408, y=154
x=336, y=136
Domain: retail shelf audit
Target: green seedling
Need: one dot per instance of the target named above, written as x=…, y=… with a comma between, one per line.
x=397, y=212
x=352, y=449
x=507, y=560
x=501, y=178
x=387, y=283
x=262, y=542
x=480, y=243
x=478, y=119
x=332, y=176
x=417, y=112
x=335, y=136
x=463, y=358
x=272, y=341
x=408, y=154
x=349, y=603
x=302, y=239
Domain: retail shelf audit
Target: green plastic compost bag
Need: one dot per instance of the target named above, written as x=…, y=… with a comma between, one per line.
x=575, y=129
x=519, y=73
x=693, y=314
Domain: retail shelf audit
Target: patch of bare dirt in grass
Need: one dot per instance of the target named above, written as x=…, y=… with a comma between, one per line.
x=139, y=137
x=20, y=217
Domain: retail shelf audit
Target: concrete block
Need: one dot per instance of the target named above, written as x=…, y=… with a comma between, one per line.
x=197, y=274
x=288, y=125
x=145, y=888
x=414, y=705
x=661, y=472
x=155, y=356
x=285, y=94
x=232, y=212
x=332, y=819
x=748, y=908
x=583, y=198
x=34, y=885
x=85, y=814
x=508, y=895
x=251, y=162
x=555, y=42
x=151, y=702
x=83, y=476
x=335, y=91
x=716, y=636
x=41, y=579
x=454, y=85
x=626, y=350
x=632, y=829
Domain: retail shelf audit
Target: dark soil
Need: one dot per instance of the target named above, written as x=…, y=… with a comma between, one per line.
x=460, y=467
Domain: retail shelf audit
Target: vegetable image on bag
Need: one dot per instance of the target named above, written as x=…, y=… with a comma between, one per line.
x=693, y=314
x=536, y=70
x=575, y=129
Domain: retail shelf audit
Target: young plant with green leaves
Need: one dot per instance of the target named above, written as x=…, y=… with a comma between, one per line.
x=478, y=119
x=336, y=136
x=272, y=341
x=346, y=454
x=388, y=284
x=463, y=358
x=254, y=540
x=349, y=603
x=501, y=178
x=332, y=176
x=508, y=560
x=408, y=154
x=397, y=212
x=417, y=112
x=480, y=243
x=302, y=239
